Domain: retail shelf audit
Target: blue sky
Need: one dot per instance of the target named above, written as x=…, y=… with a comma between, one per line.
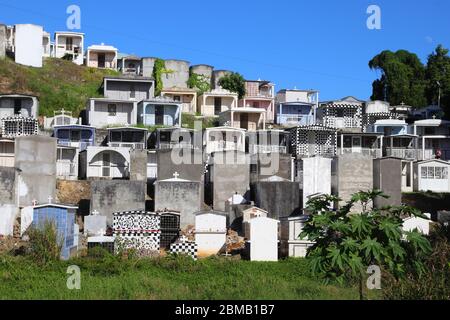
x=321, y=44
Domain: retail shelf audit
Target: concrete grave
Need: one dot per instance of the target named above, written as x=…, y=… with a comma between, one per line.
x=262, y=244
x=266, y=165
x=387, y=177
x=292, y=245
x=210, y=232
x=228, y=174
x=314, y=175
x=117, y=196
x=138, y=165
x=191, y=168
x=351, y=173
x=7, y=186
x=179, y=195
x=279, y=198
x=35, y=158
x=26, y=219
x=8, y=215
x=422, y=225
x=95, y=225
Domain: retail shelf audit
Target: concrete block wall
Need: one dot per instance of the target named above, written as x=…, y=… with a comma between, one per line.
x=35, y=159
x=7, y=186
x=180, y=196
x=351, y=173
x=279, y=198
x=109, y=197
x=138, y=165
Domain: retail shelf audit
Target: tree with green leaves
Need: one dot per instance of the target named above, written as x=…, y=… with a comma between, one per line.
x=347, y=243
x=200, y=82
x=402, y=78
x=234, y=82
x=438, y=78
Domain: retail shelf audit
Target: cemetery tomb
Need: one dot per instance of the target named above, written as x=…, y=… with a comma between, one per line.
x=170, y=229
x=138, y=230
x=291, y=243
x=185, y=248
x=63, y=217
x=210, y=232
x=107, y=243
x=262, y=244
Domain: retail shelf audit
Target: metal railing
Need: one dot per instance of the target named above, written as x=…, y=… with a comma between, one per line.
x=295, y=119
x=268, y=149
x=131, y=145
x=65, y=168
x=402, y=153
x=176, y=145
x=374, y=153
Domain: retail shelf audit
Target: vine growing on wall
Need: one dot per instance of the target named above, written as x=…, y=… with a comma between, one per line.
x=159, y=69
x=200, y=82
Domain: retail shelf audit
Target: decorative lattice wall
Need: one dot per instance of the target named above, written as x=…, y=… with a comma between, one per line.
x=370, y=118
x=14, y=127
x=323, y=141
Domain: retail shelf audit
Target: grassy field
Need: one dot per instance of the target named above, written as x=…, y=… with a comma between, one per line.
x=58, y=84
x=169, y=278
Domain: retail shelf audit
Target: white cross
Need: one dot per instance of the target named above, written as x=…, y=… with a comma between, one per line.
x=176, y=175
x=50, y=199
x=95, y=213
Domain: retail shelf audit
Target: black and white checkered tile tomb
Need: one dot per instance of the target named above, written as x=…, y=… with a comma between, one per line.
x=186, y=248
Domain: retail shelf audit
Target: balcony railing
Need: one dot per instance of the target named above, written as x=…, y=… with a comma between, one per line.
x=402, y=153
x=7, y=160
x=151, y=119
x=66, y=168
x=295, y=119
x=82, y=145
x=267, y=149
x=431, y=154
x=131, y=145
x=173, y=145
x=374, y=153
x=218, y=146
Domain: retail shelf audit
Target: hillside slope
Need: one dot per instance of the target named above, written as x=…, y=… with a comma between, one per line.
x=58, y=84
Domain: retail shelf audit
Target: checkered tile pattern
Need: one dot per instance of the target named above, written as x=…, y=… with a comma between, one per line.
x=186, y=248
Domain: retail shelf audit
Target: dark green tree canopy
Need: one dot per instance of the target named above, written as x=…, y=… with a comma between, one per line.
x=438, y=76
x=235, y=83
x=404, y=78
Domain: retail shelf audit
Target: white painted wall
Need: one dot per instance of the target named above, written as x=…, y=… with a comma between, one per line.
x=26, y=219
x=263, y=241
x=420, y=224
x=316, y=177
x=28, y=49
x=99, y=117
x=8, y=214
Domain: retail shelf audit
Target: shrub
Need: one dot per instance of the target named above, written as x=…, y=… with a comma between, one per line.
x=433, y=284
x=45, y=246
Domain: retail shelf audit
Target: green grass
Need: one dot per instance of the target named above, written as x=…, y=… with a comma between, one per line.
x=166, y=278
x=58, y=84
